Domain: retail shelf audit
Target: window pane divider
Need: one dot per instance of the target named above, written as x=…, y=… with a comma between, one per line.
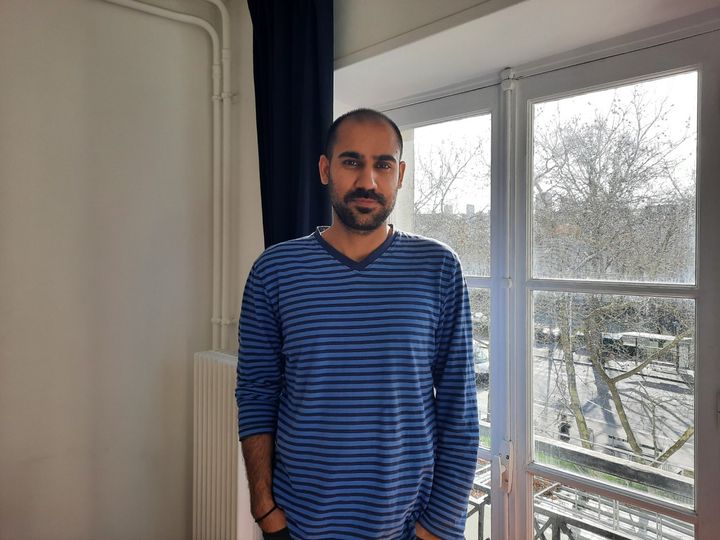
x=484, y=453
x=611, y=287
x=640, y=500
x=478, y=282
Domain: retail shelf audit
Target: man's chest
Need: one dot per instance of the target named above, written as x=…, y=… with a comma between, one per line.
x=352, y=313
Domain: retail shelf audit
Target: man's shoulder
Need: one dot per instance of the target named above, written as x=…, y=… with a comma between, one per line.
x=417, y=244
x=288, y=250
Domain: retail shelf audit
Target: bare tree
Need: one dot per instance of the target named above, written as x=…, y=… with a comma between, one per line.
x=443, y=167
x=589, y=323
x=446, y=174
x=612, y=200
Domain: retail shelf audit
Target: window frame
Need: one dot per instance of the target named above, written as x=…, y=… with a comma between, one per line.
x=511, y=283
x=684, y=55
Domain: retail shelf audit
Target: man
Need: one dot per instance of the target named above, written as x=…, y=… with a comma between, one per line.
x=564, y=428
x=356, y=395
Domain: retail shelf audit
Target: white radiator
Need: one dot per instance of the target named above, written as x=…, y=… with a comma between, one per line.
x=215, y=452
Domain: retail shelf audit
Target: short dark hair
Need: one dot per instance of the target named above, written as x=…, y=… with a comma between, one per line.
x=360, y=115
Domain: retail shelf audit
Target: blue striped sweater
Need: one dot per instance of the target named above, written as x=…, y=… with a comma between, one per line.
x=363, y=371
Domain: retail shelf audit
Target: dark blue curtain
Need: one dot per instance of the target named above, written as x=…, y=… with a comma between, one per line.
x=293, y=68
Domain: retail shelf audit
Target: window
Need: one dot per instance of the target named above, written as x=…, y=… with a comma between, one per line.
x=584, y=216
x=613, y=199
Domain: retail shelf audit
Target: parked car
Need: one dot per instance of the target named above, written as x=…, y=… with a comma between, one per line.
x=545, y=335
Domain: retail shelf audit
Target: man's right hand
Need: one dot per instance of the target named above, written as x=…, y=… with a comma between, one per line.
x=274, y=522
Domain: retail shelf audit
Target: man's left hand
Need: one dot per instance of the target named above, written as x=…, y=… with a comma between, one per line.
x=423, y=534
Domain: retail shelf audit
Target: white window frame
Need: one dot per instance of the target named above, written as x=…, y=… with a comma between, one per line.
x=681, y=56
x=510, y=284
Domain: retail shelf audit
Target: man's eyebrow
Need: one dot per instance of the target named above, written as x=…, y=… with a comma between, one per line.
x=357, y=155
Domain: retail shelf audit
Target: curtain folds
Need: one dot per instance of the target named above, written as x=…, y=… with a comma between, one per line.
x=293, y=70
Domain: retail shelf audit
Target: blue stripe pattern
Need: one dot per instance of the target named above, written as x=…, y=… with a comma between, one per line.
x=363, y=371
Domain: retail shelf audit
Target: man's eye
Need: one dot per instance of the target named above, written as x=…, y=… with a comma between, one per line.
x=351, y=162
x=383, y=165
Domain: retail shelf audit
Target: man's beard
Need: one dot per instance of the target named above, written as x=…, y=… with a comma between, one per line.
x=361, y=219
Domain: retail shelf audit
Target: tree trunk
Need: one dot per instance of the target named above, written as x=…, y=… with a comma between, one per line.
x=566, y=344
x=593, y=332
x=689, y=432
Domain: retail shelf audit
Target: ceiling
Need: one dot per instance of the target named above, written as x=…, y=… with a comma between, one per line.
x=365, y=28
x=513, y=35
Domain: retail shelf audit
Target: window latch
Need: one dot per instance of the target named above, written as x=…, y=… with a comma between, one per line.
x=504, y=463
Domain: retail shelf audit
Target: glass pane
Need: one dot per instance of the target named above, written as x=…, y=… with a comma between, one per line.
x=614, y=183
x=613, y=383
x=448, y=179
x=562, y=512
x=477, y=525
x=480, y=308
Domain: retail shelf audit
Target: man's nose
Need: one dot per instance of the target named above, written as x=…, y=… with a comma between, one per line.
x=366, y=178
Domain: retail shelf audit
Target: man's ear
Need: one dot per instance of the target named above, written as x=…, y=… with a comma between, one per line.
x=324, y=168
x=401, y=175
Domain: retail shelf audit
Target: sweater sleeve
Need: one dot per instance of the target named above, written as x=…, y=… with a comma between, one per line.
x=260, y=362
x=457, y=426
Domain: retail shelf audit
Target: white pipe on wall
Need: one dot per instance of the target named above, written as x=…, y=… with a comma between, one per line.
x=226, y=105
x=176, y=16
x=220, y=151
x=218, y=293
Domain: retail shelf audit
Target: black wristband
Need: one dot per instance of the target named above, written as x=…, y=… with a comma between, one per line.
x=258, y=520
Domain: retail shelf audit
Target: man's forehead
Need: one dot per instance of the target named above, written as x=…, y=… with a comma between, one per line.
x=371, y=136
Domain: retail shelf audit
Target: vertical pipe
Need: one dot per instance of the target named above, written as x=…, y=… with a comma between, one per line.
x=217, y=256
x=226, y=97
x=225, y=211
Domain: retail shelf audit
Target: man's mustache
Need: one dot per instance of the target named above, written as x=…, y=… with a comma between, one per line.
x=364, y=194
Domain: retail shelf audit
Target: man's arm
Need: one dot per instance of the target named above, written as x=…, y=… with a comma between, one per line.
x=259, y=382
x=456, y=415
x=258, y=453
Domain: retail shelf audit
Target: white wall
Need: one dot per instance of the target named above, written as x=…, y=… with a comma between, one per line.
x=105, y=263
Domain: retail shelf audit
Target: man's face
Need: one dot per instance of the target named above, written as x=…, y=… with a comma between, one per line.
x=363, y=174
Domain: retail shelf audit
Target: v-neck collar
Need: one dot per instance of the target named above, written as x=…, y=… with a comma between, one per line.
x=347, y=261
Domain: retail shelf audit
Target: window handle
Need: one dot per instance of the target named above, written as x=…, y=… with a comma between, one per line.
x=504, y=464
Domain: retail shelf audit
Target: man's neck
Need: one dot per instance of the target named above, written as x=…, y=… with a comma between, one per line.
x=355, y=245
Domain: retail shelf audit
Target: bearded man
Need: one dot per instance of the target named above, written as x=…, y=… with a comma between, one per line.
x=355, y=390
